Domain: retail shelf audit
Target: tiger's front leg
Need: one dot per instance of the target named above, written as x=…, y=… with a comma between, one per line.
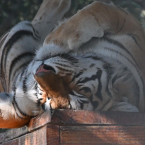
x=94, y=20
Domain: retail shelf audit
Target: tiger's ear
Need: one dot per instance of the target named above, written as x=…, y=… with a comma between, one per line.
x=8, y=116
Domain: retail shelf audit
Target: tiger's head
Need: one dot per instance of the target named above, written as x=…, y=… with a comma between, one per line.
x=70, y=79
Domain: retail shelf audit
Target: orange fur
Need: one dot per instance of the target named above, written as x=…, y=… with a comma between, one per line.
x=54, y=87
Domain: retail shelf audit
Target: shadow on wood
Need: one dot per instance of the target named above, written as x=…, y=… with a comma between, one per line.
x=80, y=127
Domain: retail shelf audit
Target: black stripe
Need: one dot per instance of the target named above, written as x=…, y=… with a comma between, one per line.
x=36, y=89
x=109, y=70
x=92, y=65
x=14, y=101
x=76, y=76
x=61, y=64
x=18, y=59
x=2, y=74
x=120, y=45
x=116, y=77
x=95, y=104
x=134, y=38
x=99, y=94
x=68, y=57
x=93, y=57
x=3, y=81
x=63, y=69
x=94, y=77
x=97, y=75
x=3, y=38
x=17, y=36
x=77, y=94
x=34, y=31
x=22, y=67
x=24, y=85
x=73, y=79
x=85, y=89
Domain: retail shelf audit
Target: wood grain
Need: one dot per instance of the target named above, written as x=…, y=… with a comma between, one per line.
x=37, y=137
x=124, y=135
x=53, y=135
x=70, y=127
x=13, y=142
x=39, y=121
x=65, y=117
x=13, y=133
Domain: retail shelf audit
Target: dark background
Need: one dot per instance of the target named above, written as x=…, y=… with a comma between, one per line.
x=14, y=11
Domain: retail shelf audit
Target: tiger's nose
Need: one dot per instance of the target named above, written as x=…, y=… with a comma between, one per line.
x=45, y=68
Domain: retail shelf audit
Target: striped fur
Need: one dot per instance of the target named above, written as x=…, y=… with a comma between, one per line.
x=17, y=51
x=23, y=99
x=109, y=55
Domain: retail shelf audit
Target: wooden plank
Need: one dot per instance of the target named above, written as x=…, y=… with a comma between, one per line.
x=13, y=142
x=53, y=135
x=39, y=121
x=2, y=137
x=13, y=133
x=117, y=135
x=37, y=137
x=65, y=117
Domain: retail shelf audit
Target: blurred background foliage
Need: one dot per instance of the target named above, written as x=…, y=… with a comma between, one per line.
x=14, y=11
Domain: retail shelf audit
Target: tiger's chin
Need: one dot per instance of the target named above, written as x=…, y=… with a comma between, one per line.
x=54, y=87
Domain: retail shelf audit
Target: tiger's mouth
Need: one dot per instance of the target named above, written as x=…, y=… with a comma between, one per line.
x=45, y=68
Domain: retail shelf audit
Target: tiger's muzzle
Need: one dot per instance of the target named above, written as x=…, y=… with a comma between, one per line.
x=54, y=86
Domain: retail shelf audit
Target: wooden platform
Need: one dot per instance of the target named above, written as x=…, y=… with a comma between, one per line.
x=80, y=128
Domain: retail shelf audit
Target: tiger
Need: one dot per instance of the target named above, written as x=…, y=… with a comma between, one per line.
x=91, y=61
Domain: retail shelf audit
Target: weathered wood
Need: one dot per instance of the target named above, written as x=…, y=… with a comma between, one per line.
x=53, y=133
x=13, y=133
x=39, y=121
x=2, y=137
x=80, y=127
x=13, y=142
x=37, y=137
x=89, y=117
x=124, y=135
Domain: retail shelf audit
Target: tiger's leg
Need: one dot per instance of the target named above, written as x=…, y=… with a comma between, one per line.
x=94, y=20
